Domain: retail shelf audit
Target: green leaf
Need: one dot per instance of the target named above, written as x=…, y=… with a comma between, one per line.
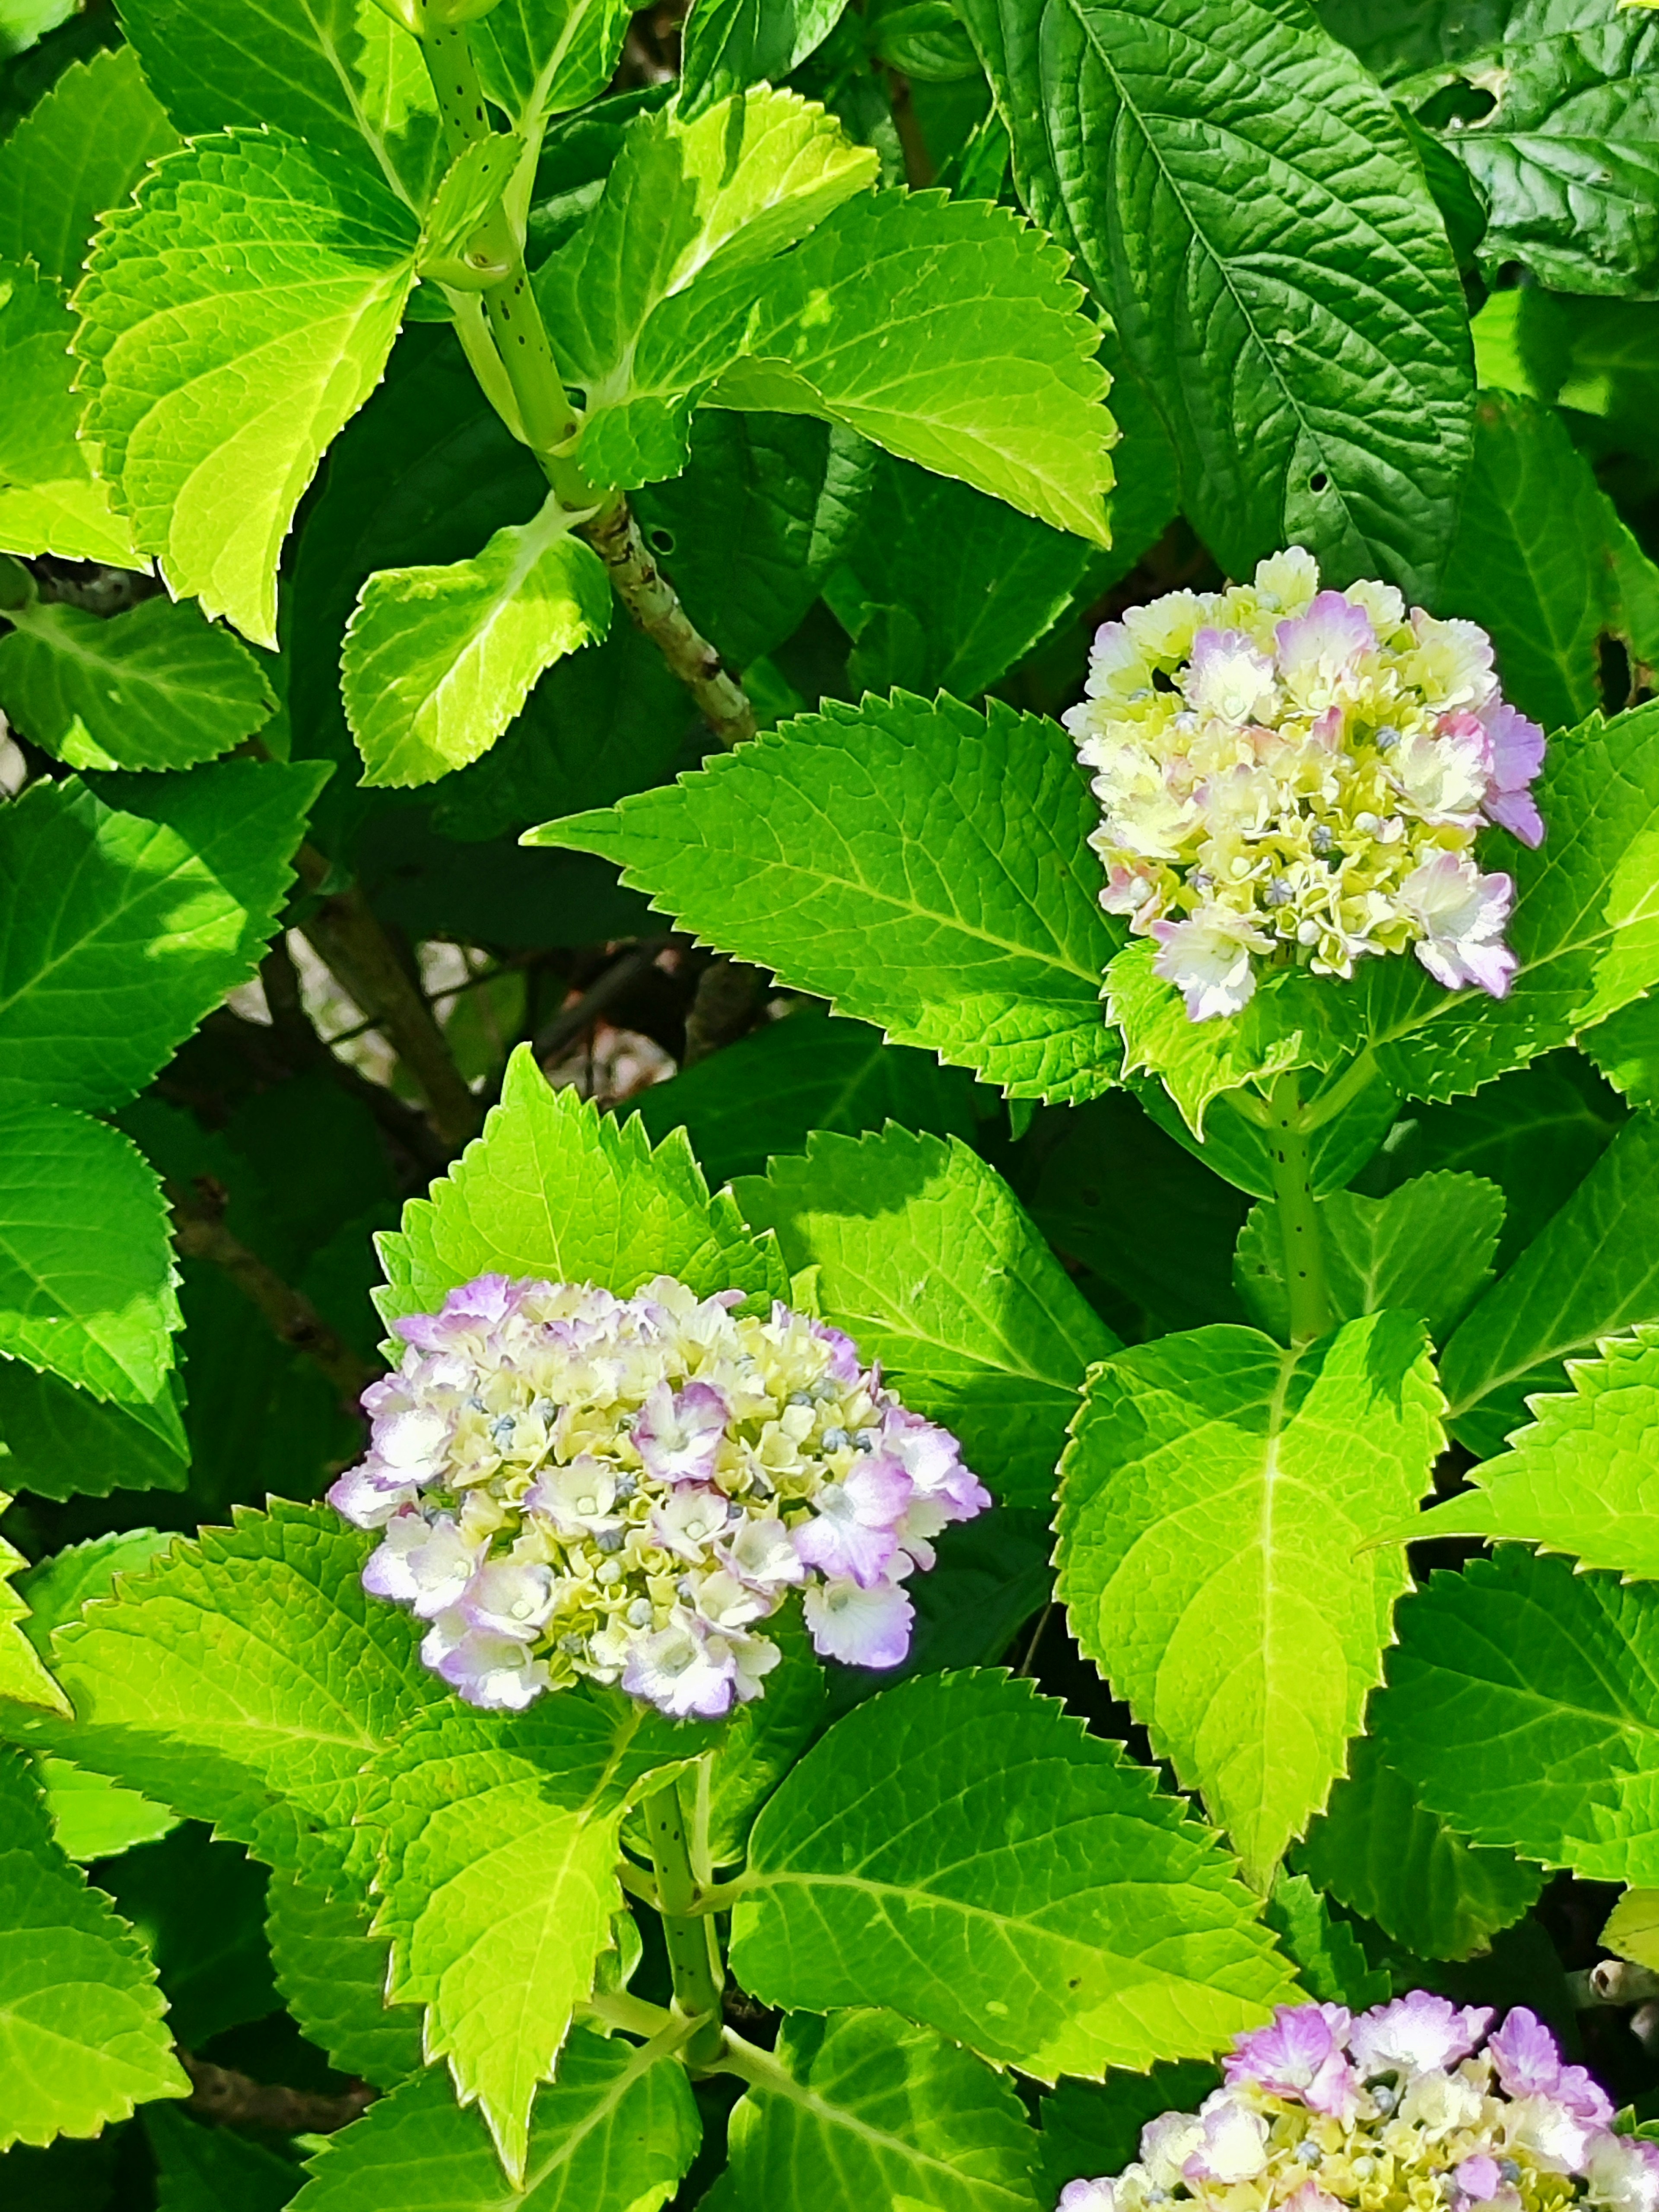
x=59, y=1587
x=1594, y=1270
x=1578, y=1478
x=93, y=1818
x=438, y=662
x=212, y=2169
x=1632, y=1927
x=339, y=74
x=1216, y=1498
x=1090, y=2127
x=1377, y=1850
x=81, y=2035
x=199, y=1905
x=945, y=588
x=1427, y=1248
x=925, y=1258
x=765, y=1093
x=50, y=501
x=155, y=687
x=1585, y=926
x=864, y=2109
x=1532, y=559
x=959, y=1850
x=498, y=1882
x=759, y=1744
x=542, y=58
x=947, y=331
x=930, y=869
x=472, y=185
x=1330, y=1961
x=1626, y=1051
x=61, y=1443
x=730, y=44
x=22, y=1677
x=614, y=2133
x=76, y=152
x=331, y=1973
x=1516, y=1710
x=86, y=1273
x=247, y=264
x=1566, y=154
x=127, y=913
x=245, y=1680
x=1300, y=323
x=553, y=1188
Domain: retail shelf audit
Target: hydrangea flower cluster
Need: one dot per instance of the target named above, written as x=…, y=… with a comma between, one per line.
x=1289, y=773
x=572, y=1484
x=1398, y=2110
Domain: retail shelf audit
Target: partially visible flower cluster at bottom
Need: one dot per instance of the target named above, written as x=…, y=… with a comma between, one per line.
x=1297, y=775
x=573, y=1484
x=1398, y=2110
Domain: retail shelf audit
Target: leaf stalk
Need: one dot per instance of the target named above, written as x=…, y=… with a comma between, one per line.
x=689, y=1933
x=1288, y=1139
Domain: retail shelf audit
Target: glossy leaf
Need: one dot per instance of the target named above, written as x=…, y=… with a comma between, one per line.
x=155, y=687
x=1291, y=302
x=925, y=1258
x=248, y=264
x=93, y=1818
x=730, y=44
x=50, y=501
x=1219, y=1497
x=959, y=1850
x=126, y=914
x=929, y=865
x=22, y=1677
x=82, y=2036
x=77, y=154
x=61, y=1442
x=542, y=58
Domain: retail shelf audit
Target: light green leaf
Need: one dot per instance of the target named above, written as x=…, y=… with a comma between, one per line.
x=925, y=1257
x=947, y=331
x=50, y=501
x=232, y=321
x=614, y=2133
x=865, y=2109
x=86, y=1275
x=1532, y=561
x=1296, y=310
x=93, y=1818
x=553, y=1188
x=1632, y=1927
x=1518, y=1710
x=245, y=1679
x=155, y=687
x=438, y=662
x=1330, y=1961
x=1582, y=1477
x=497, y=1883
x=81, y=2037
x=1377, y=1850
x=1566, y=154
x=61, y=1443
x=1585, y=926
x=339, y=74
x=60, y=1586
x=542, y=58
x=1215, y=1500
x=960, y=1850
x=331, y=1973
x=930, y=869
x=76, y=152
x=730, y=44
x=1427, y=1248
x=764, y=1094
x=23, y=23
x=22, y=1677
x=472, y=185
x=126, y=915
x=203, y=2168
x=1593, y=1271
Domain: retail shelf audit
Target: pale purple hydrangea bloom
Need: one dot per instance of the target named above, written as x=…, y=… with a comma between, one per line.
x=1299, y=776
x=570, y=1484
x=1314, y=2103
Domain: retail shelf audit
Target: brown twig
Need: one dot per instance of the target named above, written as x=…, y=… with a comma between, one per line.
x=228, y=2100
x=200, y=1234
x=654, y=605
x=345, y=934
x=723, y=1008
x=556, y=1037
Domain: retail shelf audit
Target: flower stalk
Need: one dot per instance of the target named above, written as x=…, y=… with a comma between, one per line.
x=693, y=1945
x=1298, y=1211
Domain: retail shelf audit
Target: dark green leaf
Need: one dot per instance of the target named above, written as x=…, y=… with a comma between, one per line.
x=1330, y=1961
x=730, y=44
x=212, y=2169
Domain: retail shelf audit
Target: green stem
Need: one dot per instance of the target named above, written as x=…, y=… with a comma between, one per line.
x=693, y=1945
x=1298, y=1211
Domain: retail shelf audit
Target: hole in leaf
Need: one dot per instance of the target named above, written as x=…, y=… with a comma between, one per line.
x=660, y=540
x=1319, y=481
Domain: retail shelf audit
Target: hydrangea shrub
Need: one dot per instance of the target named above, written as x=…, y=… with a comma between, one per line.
x=829, y=1351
